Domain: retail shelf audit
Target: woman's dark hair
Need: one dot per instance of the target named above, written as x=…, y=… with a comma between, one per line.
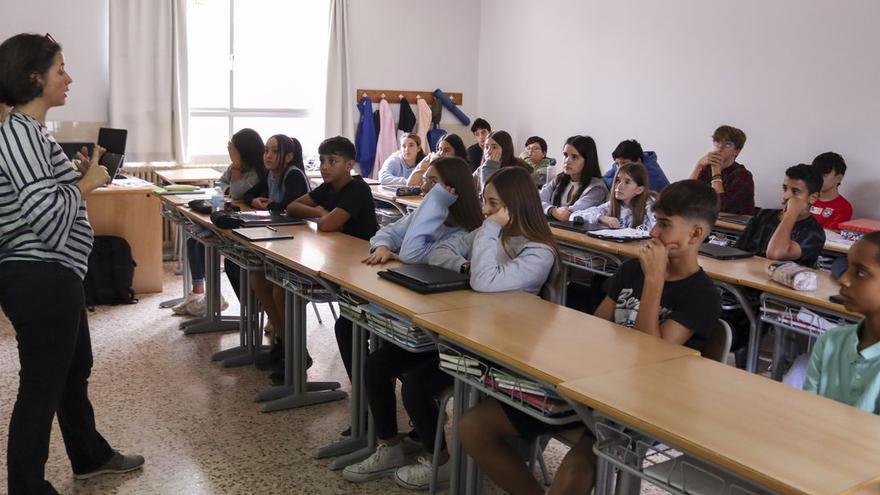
x=457, y=145
x=415, y=137
x=508, y=157
x=456, y=173
x=250, y=146
x=21, y=57
x=287, y=144
x=586, y=147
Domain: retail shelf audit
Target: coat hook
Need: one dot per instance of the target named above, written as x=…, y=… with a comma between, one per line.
x=451, y=97
x=364, y=95
x=400, y=96
x=382, y=96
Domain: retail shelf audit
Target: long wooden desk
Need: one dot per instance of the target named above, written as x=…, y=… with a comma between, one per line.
x=548, y=341
x=189, y=175
x=785, y=439
x=133, y=214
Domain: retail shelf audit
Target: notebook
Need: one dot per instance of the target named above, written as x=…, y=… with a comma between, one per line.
x=258, y=218
x=261, y=234
x=426, y=279
x=577, y=227
x=723, y=252
x=732, y=218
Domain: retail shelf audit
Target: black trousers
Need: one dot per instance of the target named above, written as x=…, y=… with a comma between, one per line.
x=421, y=380
x=344, y=340
x=46, y=305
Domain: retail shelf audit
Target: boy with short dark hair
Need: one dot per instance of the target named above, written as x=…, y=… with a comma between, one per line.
x=730, y=179
x=481, y=130
x=789, y=234
x=831, y=208
x=845, y=364
x=535, y=156
x=663, y=293
x=342, y=203
x=631, y=151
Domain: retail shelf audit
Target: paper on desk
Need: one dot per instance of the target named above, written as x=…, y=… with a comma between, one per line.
x=131, y=182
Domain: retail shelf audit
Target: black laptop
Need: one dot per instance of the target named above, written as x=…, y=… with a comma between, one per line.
x=260, y=220
x=426, y=279
x=723, y=252
x=112, y=140
x=578, y=227
x=113, y=162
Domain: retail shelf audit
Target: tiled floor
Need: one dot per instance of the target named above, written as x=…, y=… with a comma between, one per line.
x=157, y=393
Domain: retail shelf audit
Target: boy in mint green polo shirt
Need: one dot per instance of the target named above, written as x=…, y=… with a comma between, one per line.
x=845, y=364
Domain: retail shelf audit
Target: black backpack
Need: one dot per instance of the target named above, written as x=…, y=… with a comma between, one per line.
x=111, y=272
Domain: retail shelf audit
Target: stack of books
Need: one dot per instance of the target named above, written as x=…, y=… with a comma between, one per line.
x=528, y=392
x=393, y=328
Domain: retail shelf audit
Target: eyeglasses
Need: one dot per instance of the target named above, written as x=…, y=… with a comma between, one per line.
x=531, y=149
x=50, y=38
x=723, y=145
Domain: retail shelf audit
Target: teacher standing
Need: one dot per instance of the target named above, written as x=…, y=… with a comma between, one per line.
x=45, y=241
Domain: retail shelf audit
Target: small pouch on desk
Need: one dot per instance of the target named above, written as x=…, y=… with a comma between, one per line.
x=792, y=275
x=201, y=206
x=226, y=220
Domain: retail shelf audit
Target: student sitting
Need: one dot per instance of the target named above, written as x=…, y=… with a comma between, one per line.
x=285, y=181
x=831, y=209
x=731, y=180
x=343, y=203
x=498, y=154
x=398, y=167
x=790, y=234
x=450, y=206
x=448, y=146
x=845, y=364
x=631, y=204
x=579, y=186
x=514, y=249
x=245, y=171
x=535, y=156
x=663, y=293
x=481, y=130
x=631, y=151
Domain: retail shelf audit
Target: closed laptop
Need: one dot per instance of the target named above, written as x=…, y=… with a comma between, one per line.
x=723, y=252
x=426, y=279
x=578, y=227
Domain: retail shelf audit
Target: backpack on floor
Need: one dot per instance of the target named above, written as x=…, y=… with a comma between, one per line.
x=111, y=272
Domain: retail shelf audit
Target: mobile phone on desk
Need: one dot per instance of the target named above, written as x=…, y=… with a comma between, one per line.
x=837, y=299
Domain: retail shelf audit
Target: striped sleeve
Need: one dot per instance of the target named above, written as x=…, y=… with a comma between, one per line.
x=45, y=190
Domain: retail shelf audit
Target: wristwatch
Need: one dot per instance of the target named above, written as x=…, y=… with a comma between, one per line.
x=465, y=268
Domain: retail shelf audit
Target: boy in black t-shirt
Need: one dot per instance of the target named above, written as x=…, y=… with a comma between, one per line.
x=789, y=234
x=343, y=203
x=663, y=293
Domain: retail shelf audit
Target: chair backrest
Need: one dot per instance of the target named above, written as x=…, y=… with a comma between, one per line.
x=717, y=347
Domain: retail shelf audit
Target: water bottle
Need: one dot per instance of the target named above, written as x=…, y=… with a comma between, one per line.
x=217, y=198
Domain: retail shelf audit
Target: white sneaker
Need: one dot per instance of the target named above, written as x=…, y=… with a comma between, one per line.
x=384, y=462
x=268, y=329
x=180, y=309
x=418, y=476
x=200, y=305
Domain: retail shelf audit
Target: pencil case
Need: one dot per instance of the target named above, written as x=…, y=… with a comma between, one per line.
x=792, y=275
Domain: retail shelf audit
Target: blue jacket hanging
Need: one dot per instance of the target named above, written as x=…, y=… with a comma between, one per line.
x=365, y=137
x=452, y=107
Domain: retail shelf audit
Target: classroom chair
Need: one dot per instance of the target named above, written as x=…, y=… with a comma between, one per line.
x=718, y=346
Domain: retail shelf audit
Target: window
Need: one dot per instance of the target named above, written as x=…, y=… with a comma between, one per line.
x=259, y=64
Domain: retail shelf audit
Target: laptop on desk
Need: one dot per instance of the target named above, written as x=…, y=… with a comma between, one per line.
x=426, y=279
x=577, y=227
x=723, y=252
x=263, y=218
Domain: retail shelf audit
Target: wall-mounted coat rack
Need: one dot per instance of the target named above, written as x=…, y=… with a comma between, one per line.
x=393, y=96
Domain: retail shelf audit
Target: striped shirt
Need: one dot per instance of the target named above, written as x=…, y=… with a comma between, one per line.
x=42, y=213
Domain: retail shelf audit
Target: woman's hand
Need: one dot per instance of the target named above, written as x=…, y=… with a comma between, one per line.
x=95, y=175
x=612, y=222
x=260, y=203
x=81, y=162
x=501, y=217
x=380, y=256
x=561, y=214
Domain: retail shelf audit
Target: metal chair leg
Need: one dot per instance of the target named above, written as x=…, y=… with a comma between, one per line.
x=318, y=315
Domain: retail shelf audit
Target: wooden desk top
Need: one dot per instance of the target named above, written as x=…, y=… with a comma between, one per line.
x=743, y=422
x=307, y=252
x=548, y=341
x=188, y=175
x=410, y=201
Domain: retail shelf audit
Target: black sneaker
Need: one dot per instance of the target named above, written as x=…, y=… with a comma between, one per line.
x=119, y=463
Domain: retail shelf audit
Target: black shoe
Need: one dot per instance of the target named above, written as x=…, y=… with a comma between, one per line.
x=119, y=463
x=277, y=377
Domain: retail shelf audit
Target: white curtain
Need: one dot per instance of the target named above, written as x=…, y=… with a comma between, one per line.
x=339, y=110
x=148, y=77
